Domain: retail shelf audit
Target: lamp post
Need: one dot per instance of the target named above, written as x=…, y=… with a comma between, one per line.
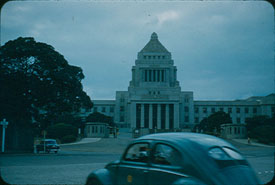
x=4, y=124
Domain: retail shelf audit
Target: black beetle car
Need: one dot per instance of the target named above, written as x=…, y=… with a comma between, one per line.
x=177, y=158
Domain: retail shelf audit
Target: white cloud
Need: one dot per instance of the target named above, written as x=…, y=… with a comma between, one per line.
x=167, y=16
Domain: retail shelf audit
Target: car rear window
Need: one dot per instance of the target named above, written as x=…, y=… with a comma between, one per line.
x=51, y=142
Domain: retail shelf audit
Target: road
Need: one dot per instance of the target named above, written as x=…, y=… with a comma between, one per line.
x=74, y=162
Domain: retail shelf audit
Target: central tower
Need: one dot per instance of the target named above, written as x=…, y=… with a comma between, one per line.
x=154, y=68
x=154, y=99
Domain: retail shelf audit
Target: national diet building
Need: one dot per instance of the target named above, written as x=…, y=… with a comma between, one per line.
x=154, y=99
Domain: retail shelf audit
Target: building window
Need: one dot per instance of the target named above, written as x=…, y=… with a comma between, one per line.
x=93, y=129
x=144, y=57
x=158, y=57
x=163, y=57
x=254, y=110
x=246, y=110
x=186, y=99
x=186, y=109
x=103, y=109
x=95, y=109
x=229, y=110
x=238, y=110
x=272, y=109
x=221, y=109
x=204, y=110
x=238, y=120
x=111, y=109
x=196, y=120
x=101, y=130
x=213, y=110
x=121, y=108
x=149, y=57
x=121, y=118
x=196, y=110
x=154, y=57
x=186, y=119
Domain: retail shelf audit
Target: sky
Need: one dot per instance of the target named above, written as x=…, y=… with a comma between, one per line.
x=223, y=50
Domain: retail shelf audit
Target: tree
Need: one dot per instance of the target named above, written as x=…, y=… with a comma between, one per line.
x=37, y=86
x=256, y=121
x=214, y=121
x=261, y=128
x=203, y=125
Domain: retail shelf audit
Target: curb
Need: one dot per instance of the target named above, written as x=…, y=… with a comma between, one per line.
x=91, y=140
x=252, y=143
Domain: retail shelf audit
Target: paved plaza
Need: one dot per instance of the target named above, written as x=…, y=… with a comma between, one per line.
x=74, y=162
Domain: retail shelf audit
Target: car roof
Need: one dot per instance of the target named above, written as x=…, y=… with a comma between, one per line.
x=179, y=138
x=48, y=140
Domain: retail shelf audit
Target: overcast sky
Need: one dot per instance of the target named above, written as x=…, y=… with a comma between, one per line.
x=222, y=50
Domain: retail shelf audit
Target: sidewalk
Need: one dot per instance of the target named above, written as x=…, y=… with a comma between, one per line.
x=252, y=143
x=100, y=145
x=83, y=141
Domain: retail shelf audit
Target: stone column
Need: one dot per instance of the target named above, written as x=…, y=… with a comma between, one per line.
x=166, y=116
x=150, y=116
x=142, y=116
x=176, y=115
x=159, y=117
x=133, y=115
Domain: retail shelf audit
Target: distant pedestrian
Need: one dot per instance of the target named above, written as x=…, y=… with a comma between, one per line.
x=248, y=140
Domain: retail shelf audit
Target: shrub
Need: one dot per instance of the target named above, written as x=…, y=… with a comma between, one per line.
x=264, y=134
x=60, y=130
x=68, y=139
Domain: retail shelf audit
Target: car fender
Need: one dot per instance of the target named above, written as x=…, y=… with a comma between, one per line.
x=189, y=181
x=103, y=176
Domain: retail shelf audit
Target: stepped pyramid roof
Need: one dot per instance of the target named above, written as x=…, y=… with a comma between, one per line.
x=154, y=46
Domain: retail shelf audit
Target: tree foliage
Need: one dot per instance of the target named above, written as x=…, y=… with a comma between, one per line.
x=214, y=121
x=261, y=128
x=62, y=131
x=98, y=117
x=37, y=84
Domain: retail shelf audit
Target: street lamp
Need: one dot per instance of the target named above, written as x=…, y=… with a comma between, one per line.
x=4, y=124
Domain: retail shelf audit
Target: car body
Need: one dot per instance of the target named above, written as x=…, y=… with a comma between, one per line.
x=50, y=146
x=177, y=158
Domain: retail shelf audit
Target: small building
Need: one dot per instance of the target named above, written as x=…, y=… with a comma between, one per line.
x=96, y=130
x=233, y=131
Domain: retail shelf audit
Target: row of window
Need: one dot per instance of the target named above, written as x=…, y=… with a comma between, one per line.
x=236, y=130
x=229, y=110
x=103, y=109
x=238, y=119
x=154, y=75
x=153, y=57
x=96, y=129
x=154, y=92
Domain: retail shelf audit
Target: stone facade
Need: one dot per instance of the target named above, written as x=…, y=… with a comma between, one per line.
x=154, y=100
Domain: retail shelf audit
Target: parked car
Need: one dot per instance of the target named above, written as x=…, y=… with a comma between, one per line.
x=50, y=146
x=177, y=158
